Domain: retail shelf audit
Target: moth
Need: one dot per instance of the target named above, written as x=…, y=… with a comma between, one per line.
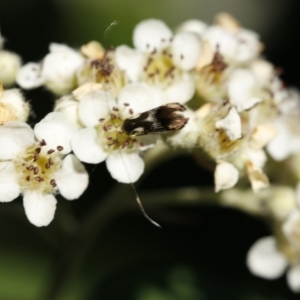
x=162, y=119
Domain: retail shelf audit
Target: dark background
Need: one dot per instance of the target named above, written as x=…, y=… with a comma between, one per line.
x=200, y=252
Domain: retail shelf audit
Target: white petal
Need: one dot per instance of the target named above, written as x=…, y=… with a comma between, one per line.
x=248, y=45
x=86, y=88
x=264, y=260
x=263, y=70
x=194, y=26
x=39, y=208
x=258, y=178
x=16, y=136
x=125, y=167
x=29, y=76
x=280, y=146
x=226, y=176
x=15, y=99
x=231, y=124
x=72, y=179
x=86, y=148
x=181, y=90
x=131, y=61
x=151, y=34
x=93, y=106
x=9, y=187
x=59, y=68
x=262, y=135
x=140, y=98
x=10, y=63
x=69, y=107
x=291, y=227
x=257, y=157
x=220, y=38
x=241, y=86
x=56, y=130
x=186, y=50
x=293, y=278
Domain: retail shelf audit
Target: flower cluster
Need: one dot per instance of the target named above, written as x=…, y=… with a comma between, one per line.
x=236, y=109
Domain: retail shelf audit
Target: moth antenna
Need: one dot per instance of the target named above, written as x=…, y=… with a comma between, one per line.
x=109, y=28
x=138, y=200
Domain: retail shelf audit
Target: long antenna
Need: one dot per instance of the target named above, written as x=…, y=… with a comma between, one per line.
x=109, y=28
x=138, y=200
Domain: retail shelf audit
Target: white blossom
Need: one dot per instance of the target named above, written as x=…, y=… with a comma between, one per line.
x=242, y=87
x=266, y=261
x=57, y=71
x=13, y=106
x=103, y=137
x=38, y=172
x=10, y=63
x=226, y=176
x=162, y=60
x=231, y=124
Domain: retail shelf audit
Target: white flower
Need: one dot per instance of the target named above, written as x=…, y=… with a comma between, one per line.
x=242, y=89
x=37, y=171
x=68, y=106
x=287, y=140
x=10, y=63
x=12, y=106
x=103, y=137
x=162, y=60
x=231, y=124
x=57, y=71
x=104, y=71
x=226, y=176
x=265, y=260
x=56, y=128
x=237, y=46
x=195, y=26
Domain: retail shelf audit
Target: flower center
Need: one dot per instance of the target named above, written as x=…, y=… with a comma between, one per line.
x=159, y=67
x=36, y=167
x=108, y=74
x=111, y=135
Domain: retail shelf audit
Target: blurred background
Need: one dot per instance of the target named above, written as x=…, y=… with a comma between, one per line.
x=200, y=252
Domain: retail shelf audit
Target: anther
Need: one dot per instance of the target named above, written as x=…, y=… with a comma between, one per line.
x=126, y=104
x=60, y=148
x=38, y=178
x=50, y=161
x=52, y=182
x=30, y=168
x=36, y=170
x=101, y=120
x=47, y=165
x=50, y=151
x=115, y=109
x=131, y=111
x=43, y=143
x=36, y=157
x=28, y=178
x=38, y=150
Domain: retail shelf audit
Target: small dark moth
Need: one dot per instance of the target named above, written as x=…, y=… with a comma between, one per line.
x=164, y=118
